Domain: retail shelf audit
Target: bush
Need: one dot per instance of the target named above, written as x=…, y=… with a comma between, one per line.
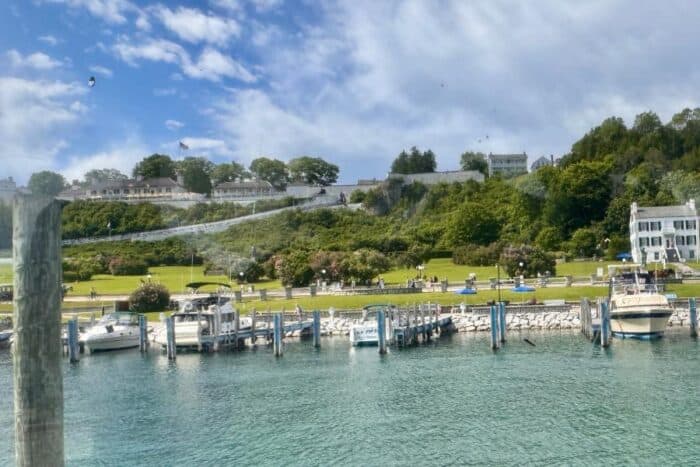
x=533, y=261
x=475, y=255
x=125, y=266
x=357, y=196
x=149, y=297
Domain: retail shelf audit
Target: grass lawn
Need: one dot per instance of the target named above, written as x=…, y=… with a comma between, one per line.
x=5, y=273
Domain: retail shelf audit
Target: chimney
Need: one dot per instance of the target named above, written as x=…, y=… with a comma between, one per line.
x=139, y=178
x=691, y=203
x=180, y=179
x=634, y=208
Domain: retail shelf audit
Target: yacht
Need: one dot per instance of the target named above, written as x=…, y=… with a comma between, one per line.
x=637, y=308
x=119, y=330
x=200, y=322
x=364, y=331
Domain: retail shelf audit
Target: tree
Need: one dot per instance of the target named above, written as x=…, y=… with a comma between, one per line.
x=228, y=172
x=312, y=171
x=103, y=175
x=149, y=297
x=293, y=269
x=155, y=166
x=196, y=174
x=472, y=224
x=474, y=161
x=584, y=242
x=414, y=162
x=46, y=183
x=5, y=225
x=270, y=170
x=534, y=261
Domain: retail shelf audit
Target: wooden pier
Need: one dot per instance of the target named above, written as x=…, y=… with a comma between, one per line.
x=595, y=328
x=410, y=327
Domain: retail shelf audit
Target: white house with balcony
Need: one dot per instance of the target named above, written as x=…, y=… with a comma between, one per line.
x=664, y=233
x=507, y=165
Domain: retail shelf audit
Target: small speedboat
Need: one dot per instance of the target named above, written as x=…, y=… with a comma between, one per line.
x=637, y=308
x=119, y=330
x=5, y=339
x=365, y=330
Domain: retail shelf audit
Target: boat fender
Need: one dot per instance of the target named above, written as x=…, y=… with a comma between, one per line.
x=529, y=342
x=109, y=328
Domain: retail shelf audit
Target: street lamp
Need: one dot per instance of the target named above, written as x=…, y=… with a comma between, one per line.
x=241, y=274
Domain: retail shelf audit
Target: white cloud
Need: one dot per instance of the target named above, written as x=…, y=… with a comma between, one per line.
x=194, y=26
x=101, y=70
x=48, y=39
x=266, y=5
x=230, y=5
x=173, y=125
x=122, y=156
x=35, y=115
x=211, y=64
x=37, y=60
x=163, y=92
x=142, y=22
x=112, y=11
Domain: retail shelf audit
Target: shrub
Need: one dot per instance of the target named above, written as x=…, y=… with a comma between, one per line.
x=475, y=255
x=533, y=261
x=149, y=297
x=357, y=196
x=126, y=266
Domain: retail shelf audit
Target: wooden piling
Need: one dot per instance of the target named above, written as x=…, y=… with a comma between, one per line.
x=317, y=328
x=604, y=324
x=381, y=331
x=493, y=314
x=170, y=338
x=424, y=334
x=502, y=321
x=73, y=344
x=143, y=333
x=277, y=336
x=253, y=320
x=36, y=358
x=236, y=328
x=693, y=313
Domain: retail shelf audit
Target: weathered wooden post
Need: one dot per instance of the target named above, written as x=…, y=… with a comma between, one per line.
x=253, y=338
x=494, y=328
x=502, y=320
x=604, y=324
x=170, y=338
x=143, y=333
x=693, y=314
x=73, y=345
x=288, y=293
x=443, y=286
x=381, y=331
x=317, y=328
x=312, y=290
x=277, y=336
x=236, y=327
x=37, y=374
x=263, y=294
x=238, y=296
x=424, y=335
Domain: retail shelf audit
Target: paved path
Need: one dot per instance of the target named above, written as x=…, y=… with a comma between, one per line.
x=209, y=227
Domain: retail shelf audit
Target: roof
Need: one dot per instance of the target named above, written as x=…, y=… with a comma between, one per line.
x=131, y=183
x=508, y=156
x=665, y=211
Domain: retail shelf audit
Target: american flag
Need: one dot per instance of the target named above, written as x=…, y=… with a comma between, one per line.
x=183, y=145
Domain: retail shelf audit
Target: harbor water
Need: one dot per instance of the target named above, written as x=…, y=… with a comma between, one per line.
x=453, y=401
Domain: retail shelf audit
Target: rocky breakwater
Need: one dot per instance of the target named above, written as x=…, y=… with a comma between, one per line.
x=519, y=320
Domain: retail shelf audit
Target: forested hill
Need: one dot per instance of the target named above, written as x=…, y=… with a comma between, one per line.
x=580, y=207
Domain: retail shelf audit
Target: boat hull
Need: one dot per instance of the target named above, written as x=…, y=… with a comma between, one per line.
x=112, y=341
x=640, y=324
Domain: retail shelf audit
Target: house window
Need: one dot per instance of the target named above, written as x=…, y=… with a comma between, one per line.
x=656, y=241
x=680, y=240
x=126, y=191
x=655, y=226
x=168, y=190
x=690, y=225
x=690, y=240
x=656, y=256
x=678, y=225
x=691, y=254
x=643, y=241
x=643, y=226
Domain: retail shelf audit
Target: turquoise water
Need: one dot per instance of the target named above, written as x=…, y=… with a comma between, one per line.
x=454, y=401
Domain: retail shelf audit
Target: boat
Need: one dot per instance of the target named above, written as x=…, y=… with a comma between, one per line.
x=118, y=330
x=5, y=339
x=638, y=309
x=202, y=322
x=364, y=331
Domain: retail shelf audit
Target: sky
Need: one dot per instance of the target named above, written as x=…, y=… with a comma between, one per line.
x=354, y=82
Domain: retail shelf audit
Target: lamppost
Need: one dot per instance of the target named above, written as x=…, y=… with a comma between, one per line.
x=323, y=278
x=420, y=268
x=498, y=281
x=241, y=274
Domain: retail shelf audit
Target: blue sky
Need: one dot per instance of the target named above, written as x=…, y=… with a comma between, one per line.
x=354, y=82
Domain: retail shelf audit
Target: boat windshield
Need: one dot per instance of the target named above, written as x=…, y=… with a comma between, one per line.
x=633, y=283
x=120, y=318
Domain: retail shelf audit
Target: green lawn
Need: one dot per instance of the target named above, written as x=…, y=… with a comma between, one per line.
x=5, y=273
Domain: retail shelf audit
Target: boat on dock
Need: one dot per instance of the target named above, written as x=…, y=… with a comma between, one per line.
x=364, y=331
x=5, y=339
x=118, y=330
x=203, y=322
x=638, y=309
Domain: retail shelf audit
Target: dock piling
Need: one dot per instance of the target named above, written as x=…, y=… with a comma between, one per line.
x=170, y=338
x=317, y=328
x=73, y=345
x=143, y=333
x=502, y=321
x=277, y=335
x=236, y=328
x=253, y=337
x=493, y=314
x=36, y=357
x=693, y=313
x=604, y=324
x=381, y=331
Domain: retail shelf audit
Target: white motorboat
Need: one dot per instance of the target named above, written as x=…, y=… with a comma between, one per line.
x=365, y=330
x=199, y=323
x=637, y=308
x=119, y=330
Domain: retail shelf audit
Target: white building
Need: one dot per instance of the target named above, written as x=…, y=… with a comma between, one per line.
x=664, y=233
x=433, y=178
x=8, y=188
x=507, y=165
